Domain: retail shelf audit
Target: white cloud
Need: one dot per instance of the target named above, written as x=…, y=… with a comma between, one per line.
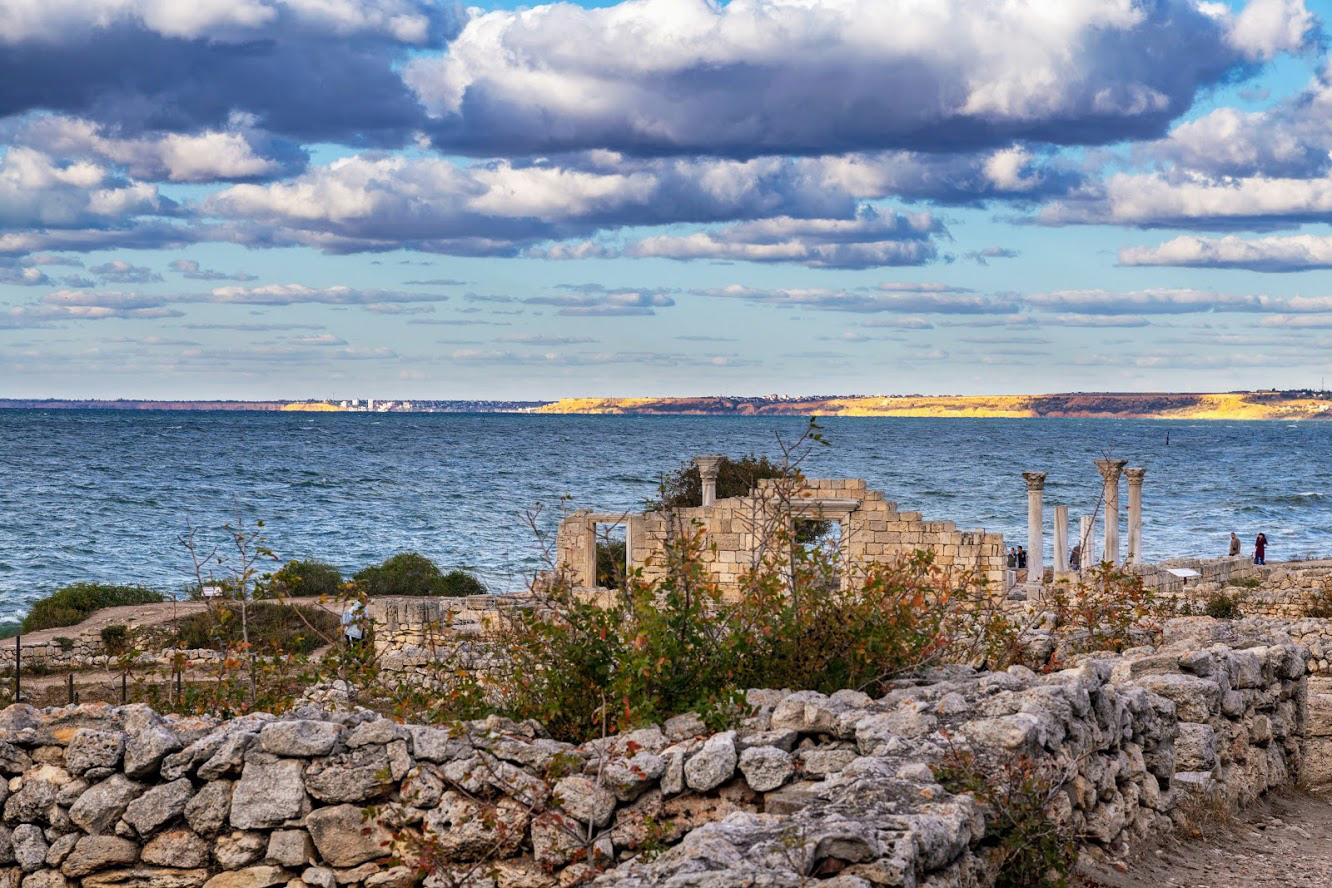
x=1294, y=253
x=925, y=299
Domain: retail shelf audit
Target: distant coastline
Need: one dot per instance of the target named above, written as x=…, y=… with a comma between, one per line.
x=1256, y=405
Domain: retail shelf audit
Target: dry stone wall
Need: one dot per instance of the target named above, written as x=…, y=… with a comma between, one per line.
x=99, y=796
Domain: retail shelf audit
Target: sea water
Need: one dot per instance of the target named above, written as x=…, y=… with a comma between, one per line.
x=105, y=495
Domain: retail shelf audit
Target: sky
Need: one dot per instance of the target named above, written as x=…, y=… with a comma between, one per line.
x=259, y=199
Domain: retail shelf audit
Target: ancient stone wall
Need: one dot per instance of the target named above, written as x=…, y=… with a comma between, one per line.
x=737, y=529
x=103, y=796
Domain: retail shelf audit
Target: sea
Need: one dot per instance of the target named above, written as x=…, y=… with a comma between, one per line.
x=107, y=496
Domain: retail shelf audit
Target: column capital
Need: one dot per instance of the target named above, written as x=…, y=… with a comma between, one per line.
x=1110, y=469
x=1035, y=480
x=1135, y=476
x=708, y=466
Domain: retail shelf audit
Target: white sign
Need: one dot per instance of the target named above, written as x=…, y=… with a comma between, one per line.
x=211, y=591
x=1187, y=573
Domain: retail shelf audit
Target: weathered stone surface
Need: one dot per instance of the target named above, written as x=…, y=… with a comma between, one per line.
x=60, y=848
x=381, y=731
x=820, y=761
x=630, y=777
x=766, y=767
x=299, y=737
x=467, y=829
x=176, y=848
x=290, y=848
x=102, y=804
x=584, y=799
x=147, y=742
x=713, y=764
x=423, y=787
x=30, y=847
x=268, y=793
x=147, y=877
x=228, y=759
x=356, y=776
x=93, y=853
x=32, y=801
x=158, y=806
x=46, y=879
x=343, y=837
x=1194, y=698
x=207, y=813
x=90, y=749
x=239, y=849
x=250, y=877
x=556, y=838
x=808, y=712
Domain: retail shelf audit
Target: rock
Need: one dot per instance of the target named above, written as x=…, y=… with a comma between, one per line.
x=176, y=848
x=423, y=787
x=909, y=721
x=90, y=749
x=586, y=800
x=208, y=811
x=356, y=776
x=766, y=767
x=46, y=879
x=33, y=801
x=1196, y=699
x=101, y=805
x=714, y=764
x=147, y=877
x=29, y=847
x=1195, y=747
x=147, y=742
x=228, y=759
x=13, y=760
x=239, y=849
x=681, y=727
x=93, y=853
x=808, y=712
x=439, y=745
x=628, y=778
x=381, y=731
x=60, y=848
x=466, y=829
x=269, y=792
x=343, y=837
x=251, y=877
x=821, y=761
x=556, y=838
x=6, y=846
x=299, y=737
x=290, y=848
x=158, y=806
x=319, y=877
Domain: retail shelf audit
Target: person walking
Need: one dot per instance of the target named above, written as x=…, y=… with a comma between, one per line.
x=1260, y=549
x=1234, y=544
x=1021, y=558
x=353, y=622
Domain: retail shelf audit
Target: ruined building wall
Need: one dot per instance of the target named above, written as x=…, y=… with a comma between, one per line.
x=872, y=530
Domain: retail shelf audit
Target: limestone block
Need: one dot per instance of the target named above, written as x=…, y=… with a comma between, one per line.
x=299, y=737
x=228, y=758
x=1195, y=747
x=100, y=806
x=290, y=848
x=147, y=877
x=343, y=837
x=765, y=768
x=60, y=849
x=268, y=793
x=467, y=829
x=251, y=877
x=90, y=749
x=585, y=800
x=355, y=776
x=146, y=744
x=239, y=849
x=713, y=764
x=158, y=806
x=1196, y=699
x=208, y=811
x=630, y=777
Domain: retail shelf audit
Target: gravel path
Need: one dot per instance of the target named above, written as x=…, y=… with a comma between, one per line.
x=1284, y=840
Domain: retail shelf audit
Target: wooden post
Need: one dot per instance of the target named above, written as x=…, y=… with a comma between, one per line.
x=18, y=666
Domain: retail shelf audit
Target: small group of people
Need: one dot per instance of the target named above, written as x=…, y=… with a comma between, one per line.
x=1017, y=557
x=1259, y=547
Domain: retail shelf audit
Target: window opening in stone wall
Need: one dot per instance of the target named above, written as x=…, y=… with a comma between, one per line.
x=612, y=555
x=822, y=538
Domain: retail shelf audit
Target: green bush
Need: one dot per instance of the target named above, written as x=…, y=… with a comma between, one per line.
x=611, y=556
x=73, y=604
x=1223, y=606
x=115, y=639
x=273, y=628
x=304, y=579
x=410, y=573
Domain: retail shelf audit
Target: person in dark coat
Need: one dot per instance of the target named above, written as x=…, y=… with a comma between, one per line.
x=1075, y=558
x=1260, y=549
x=1022, y=558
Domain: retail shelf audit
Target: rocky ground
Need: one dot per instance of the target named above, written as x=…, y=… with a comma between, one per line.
x=1284, y=840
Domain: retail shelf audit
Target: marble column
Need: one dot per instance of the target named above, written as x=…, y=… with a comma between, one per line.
x=1086, y=539
x=1061, y=539
x=1110, y=470
x=707, y=470
x=1135, y=477
x=1035, y=527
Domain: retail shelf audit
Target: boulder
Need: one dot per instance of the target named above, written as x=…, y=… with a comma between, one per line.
x=29, y=847
x=290, y=848
x=147, y=877
x=90, y=749
x=208, y=811
x=250, y=877
x=468, y=829
x=299, y=737
x=355, y=776
x=176, y=848
x=101, y=805
x=584, y=799
x=239, y=849
x=713, y=764
x=766, y=767
x=628, y=778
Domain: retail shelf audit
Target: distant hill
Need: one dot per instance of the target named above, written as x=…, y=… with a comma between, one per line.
x=1126, y=405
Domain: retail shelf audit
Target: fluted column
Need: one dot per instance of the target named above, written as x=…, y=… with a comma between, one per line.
x=1135, y=477
x=1061, y=539
x=1035, y=527
x=1110, y=470
x=707, y=471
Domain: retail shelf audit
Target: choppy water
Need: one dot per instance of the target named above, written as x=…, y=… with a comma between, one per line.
x=103, y=495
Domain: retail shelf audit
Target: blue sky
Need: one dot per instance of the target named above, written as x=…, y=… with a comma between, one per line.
x=400, y=198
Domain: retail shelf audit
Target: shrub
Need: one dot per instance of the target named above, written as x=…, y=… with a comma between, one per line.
x=304, y=579
x=115, y=639
x=65, y=644
x=1318, y=602
x=73, y=604
x=457, y=583
x=273, y=628
x=1103, y=607
x=409, y=573
x=611, y=555
x=1028, y=847
x=1223, y=606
